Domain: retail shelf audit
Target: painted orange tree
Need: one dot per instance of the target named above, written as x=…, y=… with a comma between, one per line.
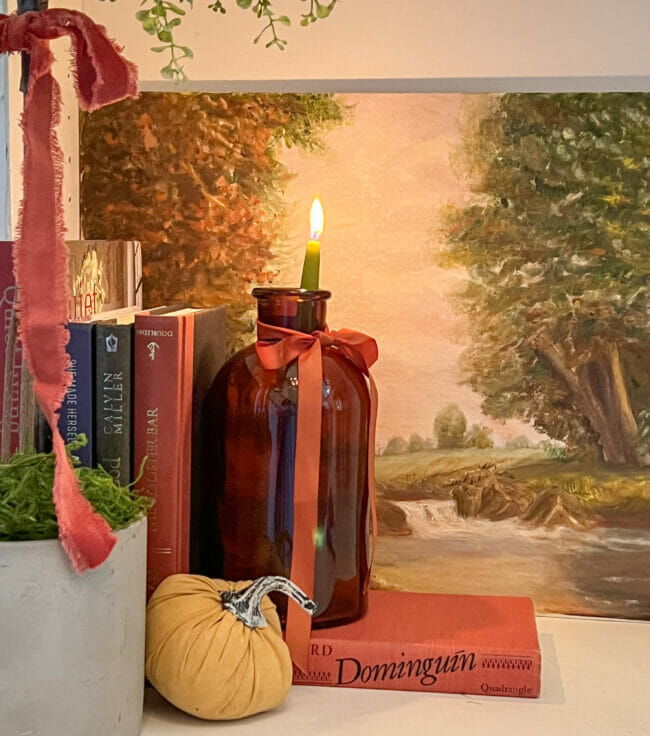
x=196, y=178
x=556, y=244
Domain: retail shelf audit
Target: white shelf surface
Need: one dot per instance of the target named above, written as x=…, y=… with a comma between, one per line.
x=595, y=682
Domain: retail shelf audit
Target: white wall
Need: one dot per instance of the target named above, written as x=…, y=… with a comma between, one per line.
x=460, y=45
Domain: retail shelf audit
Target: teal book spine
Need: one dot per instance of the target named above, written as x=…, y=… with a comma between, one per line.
x=114, y=400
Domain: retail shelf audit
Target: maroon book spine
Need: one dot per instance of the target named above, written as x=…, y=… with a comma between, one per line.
x=162, y=435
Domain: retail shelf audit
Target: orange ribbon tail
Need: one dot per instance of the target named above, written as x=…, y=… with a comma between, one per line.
x=40, y=255
x=277, y=347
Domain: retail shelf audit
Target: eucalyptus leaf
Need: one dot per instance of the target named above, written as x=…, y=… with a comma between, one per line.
x=149, y=25
x=174, y=9
x=168, y=72
x=245, y=4
x=322, y=11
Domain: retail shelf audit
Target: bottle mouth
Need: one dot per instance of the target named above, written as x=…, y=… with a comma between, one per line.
x=303, y=295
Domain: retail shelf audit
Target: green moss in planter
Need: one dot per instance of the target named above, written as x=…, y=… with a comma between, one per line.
x=26, y=506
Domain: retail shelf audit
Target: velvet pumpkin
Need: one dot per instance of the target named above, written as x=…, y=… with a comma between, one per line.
x=214, y=648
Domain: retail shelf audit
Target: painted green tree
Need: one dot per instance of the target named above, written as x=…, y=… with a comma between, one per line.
x=449, y=427
x=556, y=245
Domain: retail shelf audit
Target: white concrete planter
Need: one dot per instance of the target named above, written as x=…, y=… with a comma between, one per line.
x=72, y=646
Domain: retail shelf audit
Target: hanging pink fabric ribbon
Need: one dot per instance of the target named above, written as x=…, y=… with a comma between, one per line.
x=277, y=347
x=102, y=76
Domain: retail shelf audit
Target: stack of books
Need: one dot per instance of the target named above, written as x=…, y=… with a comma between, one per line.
x=139, y=388
x=177, y=355
x=139, y=391
x=102, y=275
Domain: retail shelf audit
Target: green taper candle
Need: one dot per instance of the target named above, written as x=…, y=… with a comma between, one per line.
x=311, y=267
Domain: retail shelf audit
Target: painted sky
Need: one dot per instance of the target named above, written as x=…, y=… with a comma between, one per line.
x=382, y=181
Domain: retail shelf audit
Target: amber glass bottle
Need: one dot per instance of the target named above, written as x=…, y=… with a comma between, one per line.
x=247, y=520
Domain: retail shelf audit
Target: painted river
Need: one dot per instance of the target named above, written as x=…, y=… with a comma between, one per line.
x=601, y=571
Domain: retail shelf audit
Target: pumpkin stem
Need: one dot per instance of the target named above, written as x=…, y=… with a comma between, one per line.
x=246, y=604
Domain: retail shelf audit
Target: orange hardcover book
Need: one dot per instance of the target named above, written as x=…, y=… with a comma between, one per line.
x=484, y=645
x=176, y=356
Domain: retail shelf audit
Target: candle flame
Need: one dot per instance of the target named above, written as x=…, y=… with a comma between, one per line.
x=316, y=219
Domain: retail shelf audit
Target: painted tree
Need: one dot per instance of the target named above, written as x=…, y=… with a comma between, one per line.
x=449, y=427
x=197, y=179
x=478, y=436
x=416, y=443
x=556, y=244
x=396, y=446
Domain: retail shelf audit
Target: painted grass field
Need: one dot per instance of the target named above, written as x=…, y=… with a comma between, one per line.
x=611, y=490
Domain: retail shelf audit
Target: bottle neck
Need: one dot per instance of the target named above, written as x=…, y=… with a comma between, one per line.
x=293, y=309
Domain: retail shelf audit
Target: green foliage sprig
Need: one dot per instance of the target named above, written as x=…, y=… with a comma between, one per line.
x=26, y=506
x=160, y=18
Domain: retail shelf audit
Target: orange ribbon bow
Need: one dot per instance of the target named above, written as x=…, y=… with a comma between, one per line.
x=277, y=347
x=102, y=76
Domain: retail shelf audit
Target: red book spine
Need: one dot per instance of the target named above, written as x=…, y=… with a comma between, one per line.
x=162, y=434
x=388, y=665
x=8, y=294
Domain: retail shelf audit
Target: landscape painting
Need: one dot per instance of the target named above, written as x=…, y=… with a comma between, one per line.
x=498, y=249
